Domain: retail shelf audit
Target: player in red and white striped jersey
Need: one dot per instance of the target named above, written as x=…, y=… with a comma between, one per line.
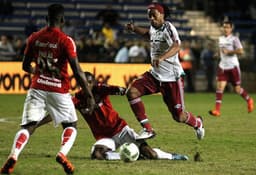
x=229, y=70
x=165, y=75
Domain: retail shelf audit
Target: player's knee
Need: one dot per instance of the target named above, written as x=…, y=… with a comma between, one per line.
x=96, y=154
x=99, y=153
x=31, y=127
x=65, y=125
x=132, y=93
x=237, y=89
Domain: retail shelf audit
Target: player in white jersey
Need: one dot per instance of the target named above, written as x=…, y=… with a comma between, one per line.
x=228, y=70
x=165, y=75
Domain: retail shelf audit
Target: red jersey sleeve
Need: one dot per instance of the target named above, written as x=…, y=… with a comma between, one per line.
x=70, y=47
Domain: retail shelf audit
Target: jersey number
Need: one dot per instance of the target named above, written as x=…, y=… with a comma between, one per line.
x=47, y=64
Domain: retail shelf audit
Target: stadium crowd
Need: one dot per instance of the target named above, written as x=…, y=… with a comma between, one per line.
x=103, y=44
x=111, y=43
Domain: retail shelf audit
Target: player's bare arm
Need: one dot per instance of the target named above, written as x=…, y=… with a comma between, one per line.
x=171, y=52
x=138, y=30
x=233, y=52
x=26, y=65
x=81, y=79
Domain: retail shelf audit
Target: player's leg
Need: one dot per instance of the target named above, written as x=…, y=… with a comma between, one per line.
x=222, y=78
x=173, y=96
x=67, y=140
x=236, y=82
x=44, y=121
x=20, y=140
x=170, y=156
x=32, y=113
x=62, y=110
x=220, y=86
x=143, y=86
x=104, y=149
x=147, y=152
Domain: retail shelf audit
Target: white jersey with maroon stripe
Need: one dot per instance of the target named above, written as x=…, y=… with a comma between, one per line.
x=160, y=41
x=230, y=42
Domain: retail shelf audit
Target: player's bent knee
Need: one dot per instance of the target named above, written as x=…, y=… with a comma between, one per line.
x=132, y=93
x=99, y=152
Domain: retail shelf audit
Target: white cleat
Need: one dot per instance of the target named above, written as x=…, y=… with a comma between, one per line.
x=200, y=132
x=144, y=134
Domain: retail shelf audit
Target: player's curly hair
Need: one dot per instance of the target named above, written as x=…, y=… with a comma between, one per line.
x=167, y=11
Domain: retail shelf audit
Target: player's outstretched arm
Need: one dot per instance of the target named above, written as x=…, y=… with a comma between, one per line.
x=138, y=30
x=111, y=89
x=26, y=64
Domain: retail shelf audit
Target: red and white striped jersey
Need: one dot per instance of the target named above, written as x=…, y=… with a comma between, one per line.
x=230, y=42
x=161, y=40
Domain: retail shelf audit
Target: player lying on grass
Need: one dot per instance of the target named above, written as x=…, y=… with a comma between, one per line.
x=108, y=128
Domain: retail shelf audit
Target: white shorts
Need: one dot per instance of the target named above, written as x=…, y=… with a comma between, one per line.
x=38, y=103
x=126, y=135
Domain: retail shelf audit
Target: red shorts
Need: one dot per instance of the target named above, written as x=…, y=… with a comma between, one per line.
x=230, y=75
x=172, y=92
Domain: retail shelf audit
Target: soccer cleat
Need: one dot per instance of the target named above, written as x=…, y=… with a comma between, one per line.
x=250, y=105
x=8, y=166
x=214, y=113
x=66, y=164
x=200, y=132
x=144, y=134
x=176, y=156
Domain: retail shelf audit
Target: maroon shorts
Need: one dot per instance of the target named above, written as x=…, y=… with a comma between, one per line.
x=172, y=92
x=230, y=75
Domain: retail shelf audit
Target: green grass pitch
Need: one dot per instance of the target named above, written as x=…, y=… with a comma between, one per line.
x=229, y=147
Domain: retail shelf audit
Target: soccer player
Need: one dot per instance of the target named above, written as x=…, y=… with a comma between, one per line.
x=165, y=75
x=51, y=50
x=228, y=70
x=108, y=128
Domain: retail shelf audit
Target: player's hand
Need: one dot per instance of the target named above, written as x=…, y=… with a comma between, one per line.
x=225, y=51
x=122, y=91
x=155, y=62
x=91, y=105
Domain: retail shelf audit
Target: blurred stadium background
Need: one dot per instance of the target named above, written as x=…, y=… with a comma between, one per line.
x=197, y=21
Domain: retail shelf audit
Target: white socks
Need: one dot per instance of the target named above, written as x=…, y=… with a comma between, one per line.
x=67, y=139
x=162, y=155
x=110, y=155
x=20, y=140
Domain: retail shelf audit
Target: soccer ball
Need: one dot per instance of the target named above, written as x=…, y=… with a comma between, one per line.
x=129, y=152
